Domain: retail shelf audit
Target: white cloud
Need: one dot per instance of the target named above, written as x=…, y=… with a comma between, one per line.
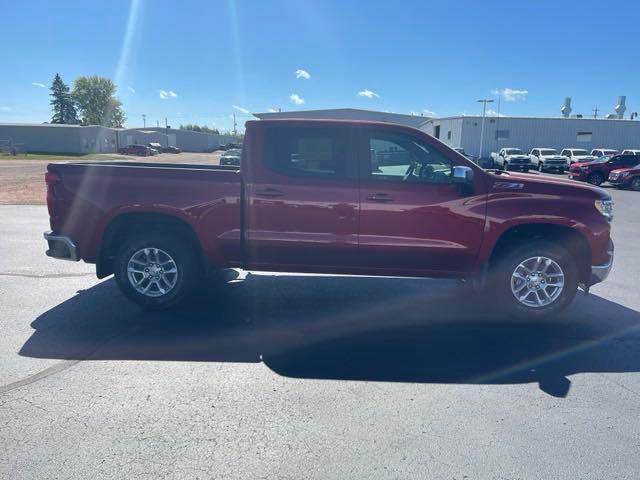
x=132, y=90
x=429, y=113
x=273, y=110
x=241, y=109
x=5, y=109
x=368, y=93
x=493, y=113
x=511, y=94
x=300, y=73
x=38, y=84
x=296, y=99
x=167, y=94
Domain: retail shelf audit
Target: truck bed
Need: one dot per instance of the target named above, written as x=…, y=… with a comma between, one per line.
x=91, y=194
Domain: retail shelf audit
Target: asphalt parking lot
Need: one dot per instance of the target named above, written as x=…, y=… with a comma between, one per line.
x=294, y=376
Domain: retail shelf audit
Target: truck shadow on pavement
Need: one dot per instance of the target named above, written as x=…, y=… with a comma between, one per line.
x=345, y=328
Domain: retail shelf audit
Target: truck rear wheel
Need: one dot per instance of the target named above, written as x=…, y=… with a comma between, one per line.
x=156, y=270
x=536, y=280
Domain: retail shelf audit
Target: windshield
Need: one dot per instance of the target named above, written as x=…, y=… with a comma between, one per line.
x=603, y=159
x=513, y=151
x=233, y=152
x=579, y=152
x=548, y=152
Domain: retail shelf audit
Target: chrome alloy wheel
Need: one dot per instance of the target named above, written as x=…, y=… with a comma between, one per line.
x=152, y=272
x=537, y=282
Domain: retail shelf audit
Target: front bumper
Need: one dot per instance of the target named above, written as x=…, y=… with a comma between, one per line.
x=580, y=176
x=519, y=166
x=599, y=273
x=61, y=246
x=559, y=167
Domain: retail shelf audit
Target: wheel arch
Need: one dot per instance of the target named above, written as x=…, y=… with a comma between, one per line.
x=126, y=224
x=569, y=238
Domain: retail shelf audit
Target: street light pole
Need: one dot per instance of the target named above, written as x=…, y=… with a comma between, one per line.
x=484, y=102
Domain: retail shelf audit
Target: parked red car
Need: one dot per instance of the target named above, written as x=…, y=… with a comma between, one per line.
x=626, y=177
x=597, y=171
x=138, y=150
x=329, y=196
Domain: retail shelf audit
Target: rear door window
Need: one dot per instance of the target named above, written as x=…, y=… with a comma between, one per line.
x=310, y=151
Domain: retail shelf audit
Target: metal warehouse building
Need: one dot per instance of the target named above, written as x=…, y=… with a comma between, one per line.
x=416, y=121
x=530, y=132
x=77, y=139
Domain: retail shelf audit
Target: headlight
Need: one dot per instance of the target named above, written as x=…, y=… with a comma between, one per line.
x=605, y=207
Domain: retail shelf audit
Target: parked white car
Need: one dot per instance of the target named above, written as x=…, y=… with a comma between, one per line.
x=547, y=159
x=604, y=152
x=577, y=155
x=630, y=151
x=511, y=159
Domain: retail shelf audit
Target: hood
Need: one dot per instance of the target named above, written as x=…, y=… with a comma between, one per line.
x=553, y=157
x=624, y=169
x=518, y=156
x=582, y=164
x=537, y=184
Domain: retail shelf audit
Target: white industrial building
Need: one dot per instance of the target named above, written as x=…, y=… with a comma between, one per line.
x=500, y=131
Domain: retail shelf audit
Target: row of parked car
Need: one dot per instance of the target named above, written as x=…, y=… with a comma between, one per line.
x=147, y=150
x=596, y=167
x=548, y=159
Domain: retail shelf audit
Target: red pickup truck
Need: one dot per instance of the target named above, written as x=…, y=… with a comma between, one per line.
x=597, y=171
x=331, y=196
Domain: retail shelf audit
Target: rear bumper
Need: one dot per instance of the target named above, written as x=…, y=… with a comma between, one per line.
x=61, y=247
x=599, y=273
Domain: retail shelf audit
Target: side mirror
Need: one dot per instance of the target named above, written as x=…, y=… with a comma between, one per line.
x=462, y=174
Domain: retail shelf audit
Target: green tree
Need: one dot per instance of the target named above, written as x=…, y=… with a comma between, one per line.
x=64, y=110
x=198, y=128
x=97, y=103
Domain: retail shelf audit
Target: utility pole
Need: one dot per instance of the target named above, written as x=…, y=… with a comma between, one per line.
x=235, y=131
x=484, y=102
x=595, y=112
x=158, y=123
x=166, y=130
x=144, y=120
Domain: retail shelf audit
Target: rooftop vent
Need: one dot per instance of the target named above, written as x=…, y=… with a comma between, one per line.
x=566, y=108
x=621, y=107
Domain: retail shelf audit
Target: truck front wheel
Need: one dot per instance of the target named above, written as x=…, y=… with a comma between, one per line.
x=155, y=270
x=537, y=279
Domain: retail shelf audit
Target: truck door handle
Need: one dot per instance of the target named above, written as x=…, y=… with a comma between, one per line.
x=269, y=192
x=380, y=197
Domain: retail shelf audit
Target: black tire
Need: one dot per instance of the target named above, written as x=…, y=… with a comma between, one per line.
x=178, y=248
x=501, y=276
x=596, y=179
x=635, y=184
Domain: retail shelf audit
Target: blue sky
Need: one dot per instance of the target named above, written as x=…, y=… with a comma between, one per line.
x=200, y=61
